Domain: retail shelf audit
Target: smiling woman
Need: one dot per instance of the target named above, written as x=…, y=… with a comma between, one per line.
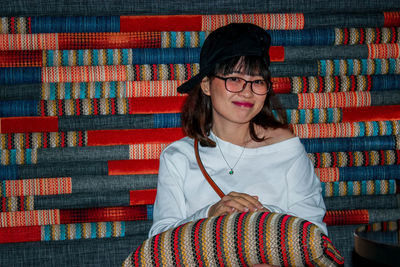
x=246, y=152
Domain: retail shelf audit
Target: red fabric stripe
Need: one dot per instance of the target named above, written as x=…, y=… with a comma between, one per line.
x=155, y=250
x=28, y=124
x=283, y=241
x=239, y=239
x=176, y=247
x=277, y=53
x=304, y=243
x=125, y=167
x=20, y=234
x=346, y=217
x=218, y=241
x=281, y=85
x=23, y=58
x=391, y=19
x=261, y=236
x=160, y=23
x=142, y=197
x=373, y=113
x=146, y=105
x=133, y=136
x=196, y=242
x=108, y=214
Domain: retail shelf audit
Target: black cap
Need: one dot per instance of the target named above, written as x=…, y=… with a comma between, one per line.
x=232, y=40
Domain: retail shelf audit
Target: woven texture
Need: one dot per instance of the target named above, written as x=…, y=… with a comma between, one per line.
x=88, y=102
x=239, y=239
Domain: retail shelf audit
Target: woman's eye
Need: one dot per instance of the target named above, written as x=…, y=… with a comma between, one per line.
x=233, y=79
x=260, y=82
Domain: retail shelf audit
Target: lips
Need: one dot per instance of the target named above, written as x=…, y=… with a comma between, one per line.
x=243, y=104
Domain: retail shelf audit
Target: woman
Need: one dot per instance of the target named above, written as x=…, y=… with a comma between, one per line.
x=251, y=156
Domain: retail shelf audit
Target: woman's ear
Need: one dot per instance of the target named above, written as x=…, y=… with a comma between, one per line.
x=205, y=85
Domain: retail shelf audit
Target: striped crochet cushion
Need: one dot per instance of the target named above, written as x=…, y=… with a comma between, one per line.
x=239, y=239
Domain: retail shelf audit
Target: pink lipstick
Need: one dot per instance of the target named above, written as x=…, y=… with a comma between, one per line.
x=243, y=104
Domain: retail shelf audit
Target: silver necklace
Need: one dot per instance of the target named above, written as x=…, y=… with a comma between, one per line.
x=230, y=168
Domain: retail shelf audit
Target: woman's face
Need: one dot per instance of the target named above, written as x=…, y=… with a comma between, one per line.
x=228, y=107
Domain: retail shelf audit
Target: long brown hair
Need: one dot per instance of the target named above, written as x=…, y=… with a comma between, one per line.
x=196, y=113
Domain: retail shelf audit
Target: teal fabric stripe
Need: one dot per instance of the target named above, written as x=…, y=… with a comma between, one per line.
x=392, y=186
x=52, y=91
x=288, y=114
x=315, y=115
x=64, y=58
x=202, y=37
x=377, y=187
x=350, y=187
x=350, y=66
x=28, y=156
x=110, y=56
x=113, y=89
x=392, y=66
x=98, y=90
x=364, y=67
x=323, y=186
x=68, y=91
x=124, y=56
x=123, y=229
x=378, y=66
x=50, y=58
x=363, y=187
x=80, y=58
x=330, y=115
x=47, y=232
x=302, y=115
x=173, y=39
x=336, y=65
x=95, y=57
x=389, y=128
x=13, y=156
x=336, y=189
x=93, y=230
x=82, y=90
x=362, y=129
x=323, y=68
x=375, y=128
x=63, y=232
x=109, y=229
x=3, y=185
x=78, y=231
x=187, y=39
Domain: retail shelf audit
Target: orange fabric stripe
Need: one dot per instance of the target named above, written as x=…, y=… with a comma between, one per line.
x=160, y=23
x=142, y=197
x=126, y=167
x=28, y=124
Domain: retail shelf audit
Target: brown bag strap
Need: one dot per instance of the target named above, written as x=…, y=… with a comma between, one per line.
x=203, y=170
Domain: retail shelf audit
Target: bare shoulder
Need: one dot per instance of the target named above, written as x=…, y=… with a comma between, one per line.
x=273, y=136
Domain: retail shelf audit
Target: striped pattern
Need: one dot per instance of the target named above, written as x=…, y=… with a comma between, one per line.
x=347, y=129
x=355, y=158
x=82, y=231
x=37, y=187
x=359, y=188
x=21, y=203
x=239, y=239
x=353, y=36
x=359, y=67
x=29, y=218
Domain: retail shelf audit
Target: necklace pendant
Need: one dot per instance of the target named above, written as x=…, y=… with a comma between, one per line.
x=231, y=172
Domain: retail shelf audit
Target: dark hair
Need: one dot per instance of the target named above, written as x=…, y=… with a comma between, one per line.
x=197, y=110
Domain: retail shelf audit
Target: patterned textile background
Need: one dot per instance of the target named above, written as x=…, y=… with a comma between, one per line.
x=88, y=101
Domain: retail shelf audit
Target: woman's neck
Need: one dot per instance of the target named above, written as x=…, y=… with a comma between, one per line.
x=235, y=134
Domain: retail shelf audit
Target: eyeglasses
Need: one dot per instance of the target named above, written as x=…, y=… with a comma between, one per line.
x=237, y=85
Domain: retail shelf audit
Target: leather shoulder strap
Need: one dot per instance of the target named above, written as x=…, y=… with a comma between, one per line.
x=203, y=170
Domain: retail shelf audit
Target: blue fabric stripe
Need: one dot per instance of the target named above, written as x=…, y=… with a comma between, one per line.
x=125, y=56
x=350, y=66
x=78, y=230
x=336, y=65
x=378, y=66
x=377, y=187
x=123, y=228
x=113, y=89
x=28, y=156
x=170, y=120
x=110, y=57
x=302, y=115
x=392, y=66
x=95, y=57
x=335, y=189
x=75, y=24
x=20, y=75
x=362, y=129
x=315, y=115
x=13, y=156
x=364, y=67
x=53, y=89
x=80, y=57
x=350, y=187
x=97, y=93
x=323, y=68
x=9, y=172
x=150, y=212
x=187, y=39
x=18, y=108
x=64, y=58
x=392, y=186
x=109, y=229
x=173, y=39
x=369, y=173
x=363, y=188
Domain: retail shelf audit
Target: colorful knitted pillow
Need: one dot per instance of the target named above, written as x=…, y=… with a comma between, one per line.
x=239, y=239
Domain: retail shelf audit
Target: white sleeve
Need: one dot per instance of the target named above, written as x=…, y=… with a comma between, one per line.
x=170, y=204
x=304, y=192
